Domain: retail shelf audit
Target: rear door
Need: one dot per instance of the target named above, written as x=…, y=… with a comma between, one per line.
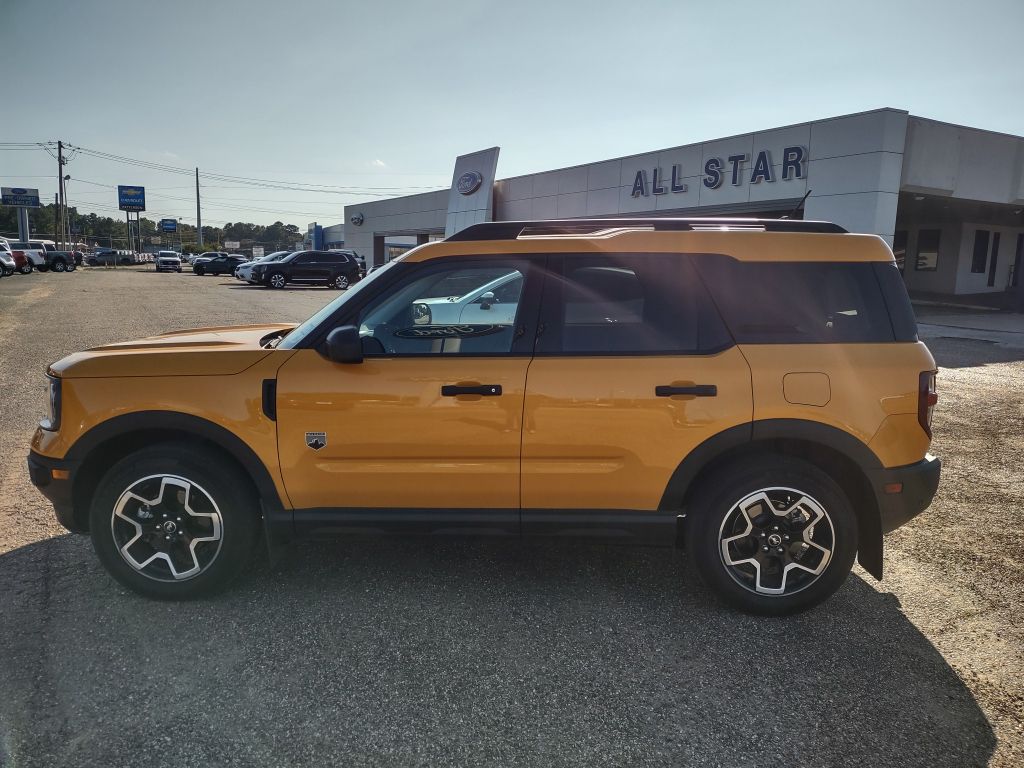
x=633, y=370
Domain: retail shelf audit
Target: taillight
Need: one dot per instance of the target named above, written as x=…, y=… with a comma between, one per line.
x=927, y=397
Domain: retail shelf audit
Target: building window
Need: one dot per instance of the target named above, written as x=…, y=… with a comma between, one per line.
x=994, y=261
x=899, y=248
x=927, y=250
x=980, y=257
x=1017, y=258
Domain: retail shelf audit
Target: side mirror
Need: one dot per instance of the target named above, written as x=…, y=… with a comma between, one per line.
x=344, y=345
x=487, y=300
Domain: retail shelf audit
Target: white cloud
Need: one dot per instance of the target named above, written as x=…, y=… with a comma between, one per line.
x=378, y=163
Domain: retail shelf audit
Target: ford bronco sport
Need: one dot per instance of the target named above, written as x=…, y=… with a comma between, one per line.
x=753, y=390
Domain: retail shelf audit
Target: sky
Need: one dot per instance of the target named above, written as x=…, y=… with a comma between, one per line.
x=376, y=99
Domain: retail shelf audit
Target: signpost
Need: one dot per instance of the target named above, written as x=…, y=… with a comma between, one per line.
x=257, y=251
x=131, y=198
x=20, y=197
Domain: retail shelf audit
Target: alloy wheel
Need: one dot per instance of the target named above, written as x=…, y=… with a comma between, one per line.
x=277, y=281
x=341, y=282
x=58, y=266
x=776, y=541
x=167, y=527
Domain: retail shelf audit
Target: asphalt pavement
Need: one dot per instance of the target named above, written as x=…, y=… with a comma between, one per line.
x=468, y=652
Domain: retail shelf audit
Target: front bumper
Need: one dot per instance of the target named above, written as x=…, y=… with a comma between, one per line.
x=55, y=478
x=916, y=484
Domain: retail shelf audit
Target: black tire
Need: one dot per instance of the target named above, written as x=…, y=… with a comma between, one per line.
x=26, y=270
x=59, y=265
x=276, y=280
x=714, y=515
x=179, y=270
x=43, y=268
x=199, y=270
x=72, y=266
x=341, y=282
x=210, y=477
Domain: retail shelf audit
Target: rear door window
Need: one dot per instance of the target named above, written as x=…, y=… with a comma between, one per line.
x=622, y=304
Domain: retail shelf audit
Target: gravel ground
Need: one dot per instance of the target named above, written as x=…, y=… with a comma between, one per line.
x=404, y=652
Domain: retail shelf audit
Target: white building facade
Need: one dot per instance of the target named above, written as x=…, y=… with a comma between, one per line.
x=947, y=198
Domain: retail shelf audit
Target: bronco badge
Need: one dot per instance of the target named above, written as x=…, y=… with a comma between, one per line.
x=316, y=440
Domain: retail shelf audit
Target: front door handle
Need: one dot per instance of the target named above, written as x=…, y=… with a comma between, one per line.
x=698, y=390
x=487, y=390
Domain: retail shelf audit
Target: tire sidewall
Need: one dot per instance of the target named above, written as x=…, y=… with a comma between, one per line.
x=719, y=494
x=270, y=280
x=228, y=487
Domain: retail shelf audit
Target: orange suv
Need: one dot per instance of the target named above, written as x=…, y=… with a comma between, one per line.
x=752, y=389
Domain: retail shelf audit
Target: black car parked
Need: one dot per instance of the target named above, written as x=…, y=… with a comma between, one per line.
x=219, y=265
x=335, y=269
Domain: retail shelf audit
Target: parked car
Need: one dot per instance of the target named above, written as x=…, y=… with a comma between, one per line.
x=672, y=399
x=7, y=265
x=105, y=257
x=219, y=265
x=206, y=256
x=336, y=269
x=244, y=271
x=167, y=261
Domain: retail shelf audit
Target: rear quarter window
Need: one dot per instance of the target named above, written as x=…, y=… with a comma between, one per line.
x=799, y=302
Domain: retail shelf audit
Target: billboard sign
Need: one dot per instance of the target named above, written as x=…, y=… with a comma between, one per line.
x=20, y=197
x=168, y=225
x=131, y=198
x=232, y=245
x=257, y=251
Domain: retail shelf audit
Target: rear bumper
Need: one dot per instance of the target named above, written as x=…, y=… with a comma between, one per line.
x=916, y=484
x=54, y=479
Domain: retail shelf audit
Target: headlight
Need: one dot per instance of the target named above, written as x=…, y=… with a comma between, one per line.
x=52, y=422
x=421, y=314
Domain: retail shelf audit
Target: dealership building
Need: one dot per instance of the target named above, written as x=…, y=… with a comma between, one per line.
x=948, y=198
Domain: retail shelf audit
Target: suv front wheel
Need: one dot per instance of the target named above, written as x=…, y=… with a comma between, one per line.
x=174, y=522
x=276, y=280
x=771, y=536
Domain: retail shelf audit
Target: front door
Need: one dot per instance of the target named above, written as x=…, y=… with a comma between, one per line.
x=633, y=370
x=430, y=420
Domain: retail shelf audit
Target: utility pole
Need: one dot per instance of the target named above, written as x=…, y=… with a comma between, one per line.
x=199, y=215
x=60, y=191
x=56, y=214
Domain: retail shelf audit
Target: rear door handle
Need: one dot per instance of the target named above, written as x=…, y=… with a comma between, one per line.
x=698, y=390
x=487, y=390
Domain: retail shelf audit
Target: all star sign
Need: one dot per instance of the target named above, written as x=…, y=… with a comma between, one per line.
x=736, y=169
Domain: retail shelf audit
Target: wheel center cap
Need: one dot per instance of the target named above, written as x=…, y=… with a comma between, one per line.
x=170, y=527
x=774, y=540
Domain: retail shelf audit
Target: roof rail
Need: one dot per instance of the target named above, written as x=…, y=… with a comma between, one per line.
x=511, y=230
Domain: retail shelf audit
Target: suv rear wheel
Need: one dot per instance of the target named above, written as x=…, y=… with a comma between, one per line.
x=340, y=282
x=174, y=522
x=59, y=265
x=772, y=536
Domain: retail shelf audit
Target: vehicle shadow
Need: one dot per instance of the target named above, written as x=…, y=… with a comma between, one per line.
x=464, y=652
x=237, y=284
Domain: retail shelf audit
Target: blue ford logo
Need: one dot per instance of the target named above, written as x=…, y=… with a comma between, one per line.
x=19, y=191
x=469, y=182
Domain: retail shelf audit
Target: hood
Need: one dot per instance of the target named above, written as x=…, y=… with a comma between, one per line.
x=219, y=351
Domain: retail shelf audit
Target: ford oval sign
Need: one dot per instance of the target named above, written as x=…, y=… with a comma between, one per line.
x=469, y=182
x=19, y=191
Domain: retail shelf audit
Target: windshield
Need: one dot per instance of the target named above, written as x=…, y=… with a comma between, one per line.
x=296, y=337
